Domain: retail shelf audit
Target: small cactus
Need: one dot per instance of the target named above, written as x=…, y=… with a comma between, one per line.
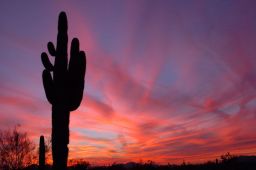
x=41, y=153
x=64, y=90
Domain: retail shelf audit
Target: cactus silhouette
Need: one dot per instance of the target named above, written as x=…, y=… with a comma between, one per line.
x=64, y=90
x=41, y=153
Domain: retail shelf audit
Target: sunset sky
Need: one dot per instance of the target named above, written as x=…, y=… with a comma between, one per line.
x=166, y=80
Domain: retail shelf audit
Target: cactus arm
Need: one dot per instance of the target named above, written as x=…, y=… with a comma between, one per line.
x=48, y=86
x=46, y=62
x=76, y=72
x=51, y=49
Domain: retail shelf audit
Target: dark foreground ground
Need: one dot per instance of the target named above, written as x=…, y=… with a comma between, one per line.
x=236, y=163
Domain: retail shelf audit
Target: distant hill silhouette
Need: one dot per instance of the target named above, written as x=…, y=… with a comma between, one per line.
x=246, y=159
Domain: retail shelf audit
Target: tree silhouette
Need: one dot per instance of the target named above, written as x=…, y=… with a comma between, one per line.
x=64, y=90
x=16, y=149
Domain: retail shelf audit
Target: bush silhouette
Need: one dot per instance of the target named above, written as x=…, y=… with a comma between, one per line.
x=64, y=90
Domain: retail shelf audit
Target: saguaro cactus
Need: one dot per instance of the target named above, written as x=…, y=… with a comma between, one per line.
x=64, y=90
x=41, y=153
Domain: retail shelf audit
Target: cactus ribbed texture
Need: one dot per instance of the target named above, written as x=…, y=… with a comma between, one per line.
x=41, y=153
x=64, y=90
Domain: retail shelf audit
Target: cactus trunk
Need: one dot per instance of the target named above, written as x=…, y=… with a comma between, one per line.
x=60, y=137
x=41, y=153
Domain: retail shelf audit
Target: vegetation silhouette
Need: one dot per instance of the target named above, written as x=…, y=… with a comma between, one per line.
x=16, y=149
x=64, y=90
x=17, y=153
x=41, y=153
x=227, y=162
